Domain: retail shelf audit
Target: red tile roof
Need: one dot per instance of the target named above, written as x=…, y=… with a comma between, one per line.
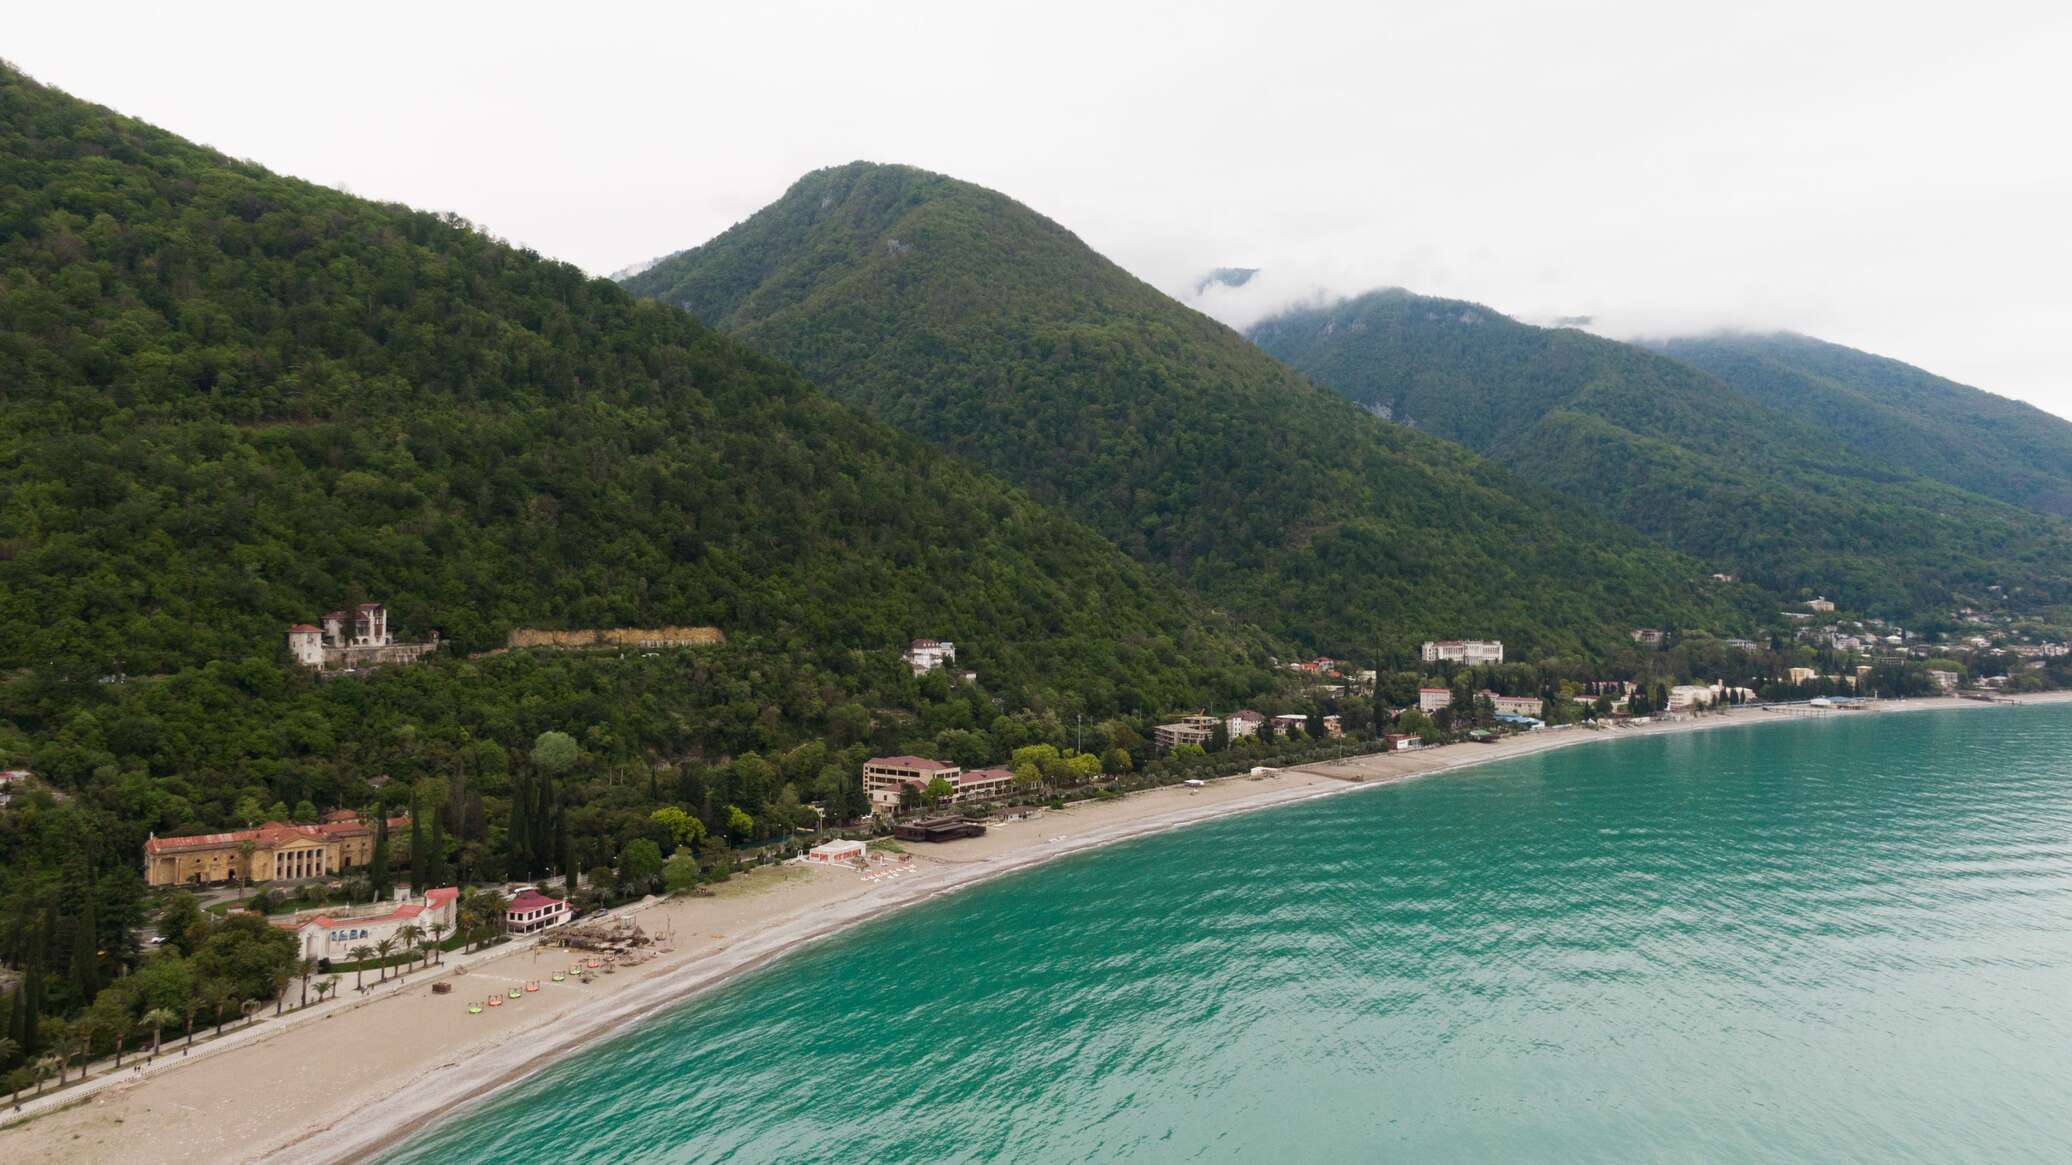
x=987, y=775
x=305, y=628
x=531, y=900
x=909, y=762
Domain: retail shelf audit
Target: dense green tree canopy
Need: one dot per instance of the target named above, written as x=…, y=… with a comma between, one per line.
x=968, y=319
x=1678, y=455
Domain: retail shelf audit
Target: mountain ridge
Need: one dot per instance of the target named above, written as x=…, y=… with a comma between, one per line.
x=1673, y=452
x=968, y=319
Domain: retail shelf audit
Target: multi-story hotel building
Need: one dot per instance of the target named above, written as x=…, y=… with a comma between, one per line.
x=885, y=776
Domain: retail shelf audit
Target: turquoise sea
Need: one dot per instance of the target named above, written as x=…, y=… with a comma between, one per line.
x=1848, y=940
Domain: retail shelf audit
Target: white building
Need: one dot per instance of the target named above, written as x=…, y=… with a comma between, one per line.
x=333, y=935
x=1433, y=699
x=353, y=639
x=836, y=853
x=925, y=655
x=1822, y=603
x=1241, y=723
x=885, y=776
x=1472, y=652
x=1944, y=680
x=533, y=911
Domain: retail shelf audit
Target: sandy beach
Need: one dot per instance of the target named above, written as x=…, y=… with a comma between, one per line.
x=339, y=1083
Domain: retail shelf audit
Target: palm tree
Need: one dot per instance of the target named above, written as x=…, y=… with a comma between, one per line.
x=193, y=1005
x=360, y=955
x=281, y=978
x=79, y=1041
x=382, y=950
x=251, y=1007
x=123, y=1031
x=305, y=968
x=438, y=930
x=407, y=935
x=326, y=986
x=220, y=998
x=44, y=1069
x=156, y=1019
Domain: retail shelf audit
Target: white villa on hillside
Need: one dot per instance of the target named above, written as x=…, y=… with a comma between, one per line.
x=1433, y=699
x=352, y=639
x=925, y=655
x=1472, y=652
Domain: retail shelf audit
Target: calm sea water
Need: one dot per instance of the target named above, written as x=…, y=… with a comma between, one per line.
x=1838, y=941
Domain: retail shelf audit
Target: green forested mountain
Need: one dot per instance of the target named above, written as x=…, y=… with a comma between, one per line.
x=229, y=400
x=1675, y=453
x=1895, y=413
x=962, y=316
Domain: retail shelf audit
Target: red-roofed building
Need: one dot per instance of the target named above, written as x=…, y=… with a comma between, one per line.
x=532, y=911
x=885, y=776
x=275, y=851
x=333, y=934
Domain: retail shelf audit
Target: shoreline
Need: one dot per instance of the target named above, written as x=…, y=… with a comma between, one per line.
x=324, y=1109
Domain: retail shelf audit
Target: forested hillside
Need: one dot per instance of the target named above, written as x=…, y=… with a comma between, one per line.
x=1898, y=414
x=230, y=401
x=1674, y=453
x=968, y=319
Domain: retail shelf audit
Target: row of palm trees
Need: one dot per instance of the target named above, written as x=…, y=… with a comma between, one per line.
x=408, y=939
x=71, y=1041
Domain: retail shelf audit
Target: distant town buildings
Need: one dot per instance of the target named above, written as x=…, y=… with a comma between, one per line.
x=1433, y=699
x=1515, y=705
x=1242, y=723
x=273, y=852
x=925, y=655
x=1647, y=636
x=353, y=639
x=885, y=776
x=1802, y=675
x=1197, y=730
x=1822, y=605
x=1945, y=681
x=333, y=934
x=1472, y=652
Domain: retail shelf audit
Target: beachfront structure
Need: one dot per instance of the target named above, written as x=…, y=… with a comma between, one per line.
x=1241, y=723
x=925, y=655
x=885, y=776
x=1400, y=741
x=353, y=639
x=839, y=852
x=1945, y=681
x=533, y=911
x=1802, y=675
x=937, y=829
x=1195, y=730
x=332, y=934
x=1514, y=705
x=1433, y=699
x=273, y=852
x=1472, y=652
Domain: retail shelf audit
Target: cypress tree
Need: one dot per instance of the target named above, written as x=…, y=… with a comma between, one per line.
x=435, y=858
x=378, y=869
x=417, y=846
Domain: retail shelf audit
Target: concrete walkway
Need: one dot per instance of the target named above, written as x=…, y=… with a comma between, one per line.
x=237, y=1033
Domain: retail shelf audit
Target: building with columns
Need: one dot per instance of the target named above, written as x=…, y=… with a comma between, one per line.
x=274, y=852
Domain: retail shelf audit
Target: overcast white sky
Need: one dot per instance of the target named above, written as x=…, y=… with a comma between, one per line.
x=1894, y=180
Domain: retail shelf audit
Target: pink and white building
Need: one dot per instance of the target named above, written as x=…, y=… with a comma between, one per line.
x=533, y=911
